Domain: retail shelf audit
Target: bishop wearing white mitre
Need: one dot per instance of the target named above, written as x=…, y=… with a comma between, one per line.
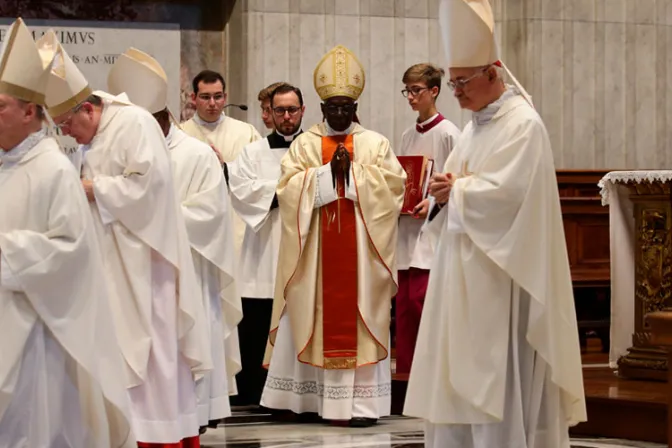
x=61, y=380
x=156, y=305
x=497, y=362
x=202, y=192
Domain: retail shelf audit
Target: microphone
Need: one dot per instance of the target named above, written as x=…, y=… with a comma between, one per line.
x=239, y=106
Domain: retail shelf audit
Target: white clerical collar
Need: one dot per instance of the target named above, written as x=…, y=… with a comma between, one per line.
x=426, y=122
x=332, y=132
x=486, y=114
x=14, y=155
x=288, y=138
x=209, y=124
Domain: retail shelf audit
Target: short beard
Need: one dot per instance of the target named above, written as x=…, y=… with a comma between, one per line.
x=294, y=130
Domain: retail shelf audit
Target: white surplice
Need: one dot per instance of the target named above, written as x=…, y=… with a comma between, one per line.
x=498, y=360
x=376, y=185
x=415, y=248
x=253, y=179
x=202, y=192
x=61, y=375
x=156, y=302
x=229, y=136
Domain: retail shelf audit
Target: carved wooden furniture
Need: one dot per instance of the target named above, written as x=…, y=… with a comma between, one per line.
x=644, y=196
x=660, y=325
x=586, y=224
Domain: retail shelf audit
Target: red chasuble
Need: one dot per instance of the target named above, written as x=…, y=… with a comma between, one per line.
x=338, y=239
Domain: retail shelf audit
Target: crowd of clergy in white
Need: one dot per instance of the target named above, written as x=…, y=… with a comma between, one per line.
x=129, y=272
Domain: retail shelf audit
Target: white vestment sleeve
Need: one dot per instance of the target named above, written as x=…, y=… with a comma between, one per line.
x=455, y=224
x=351, y=190
x=105, y=215
x=325, y=193
x=251, y=197
x=7, y=278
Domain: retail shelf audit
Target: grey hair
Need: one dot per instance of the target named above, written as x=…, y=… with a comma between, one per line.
x=93, y=99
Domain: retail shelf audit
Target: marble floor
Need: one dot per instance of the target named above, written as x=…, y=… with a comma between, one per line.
x=394, y=432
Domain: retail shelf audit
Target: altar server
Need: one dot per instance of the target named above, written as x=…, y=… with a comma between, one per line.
x=432, y=136
x=204, y=201
x=61, y=380
x=253, y=180
x=227, y=136
x=340, y=195
x=156, y=302
x=497, y=361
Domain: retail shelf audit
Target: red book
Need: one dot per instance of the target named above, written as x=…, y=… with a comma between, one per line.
x=418, y=173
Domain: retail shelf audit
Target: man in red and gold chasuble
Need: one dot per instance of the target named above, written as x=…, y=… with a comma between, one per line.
x=340, y=196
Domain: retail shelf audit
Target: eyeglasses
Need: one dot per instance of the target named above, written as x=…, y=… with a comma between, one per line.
x=207, y=97
x=68, y=121
x=346, y=109
x=281, y=111
x=65, y=123
x=415, y=91
x=462, y=83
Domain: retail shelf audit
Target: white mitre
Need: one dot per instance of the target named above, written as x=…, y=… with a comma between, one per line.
x=67, y=86
x=468, y=30
x=23, y=74
x=142, y=78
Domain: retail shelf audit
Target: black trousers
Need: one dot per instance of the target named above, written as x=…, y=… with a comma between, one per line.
x=253, y=333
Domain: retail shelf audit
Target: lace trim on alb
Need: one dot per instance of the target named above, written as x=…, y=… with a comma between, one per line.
x=330, y=392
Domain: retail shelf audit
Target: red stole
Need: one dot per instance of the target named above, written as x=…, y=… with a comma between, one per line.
x=189, y=442
x=338, y=239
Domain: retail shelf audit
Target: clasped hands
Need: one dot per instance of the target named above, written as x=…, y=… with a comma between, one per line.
x=440, y=186
x=340, y=164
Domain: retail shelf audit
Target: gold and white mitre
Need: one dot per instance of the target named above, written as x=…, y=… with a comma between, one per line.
x=339, y=73
x=23, y=75
x=142, y=78
x=67, y=86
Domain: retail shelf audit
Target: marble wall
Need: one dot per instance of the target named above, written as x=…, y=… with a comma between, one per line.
x=283, y=40
x=597, y=69
x=600, y=72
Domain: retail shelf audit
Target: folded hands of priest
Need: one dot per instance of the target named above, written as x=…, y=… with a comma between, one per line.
x=440, y=186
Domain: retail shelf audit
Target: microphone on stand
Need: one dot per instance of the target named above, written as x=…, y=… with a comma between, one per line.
x=239, y=106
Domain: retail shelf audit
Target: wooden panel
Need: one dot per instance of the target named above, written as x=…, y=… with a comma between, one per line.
x=586, y=224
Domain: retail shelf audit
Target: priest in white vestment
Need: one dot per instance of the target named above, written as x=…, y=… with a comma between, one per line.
x=433, y=137
x=340, y=194
x=204, y=200
x=156, y=302
x=498, y=360
x=226, y=135
x=61, y=375
x=253, y=179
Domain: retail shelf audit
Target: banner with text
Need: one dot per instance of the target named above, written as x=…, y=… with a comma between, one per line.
x=94, y=46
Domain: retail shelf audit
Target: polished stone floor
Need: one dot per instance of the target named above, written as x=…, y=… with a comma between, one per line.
x=395, y=432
